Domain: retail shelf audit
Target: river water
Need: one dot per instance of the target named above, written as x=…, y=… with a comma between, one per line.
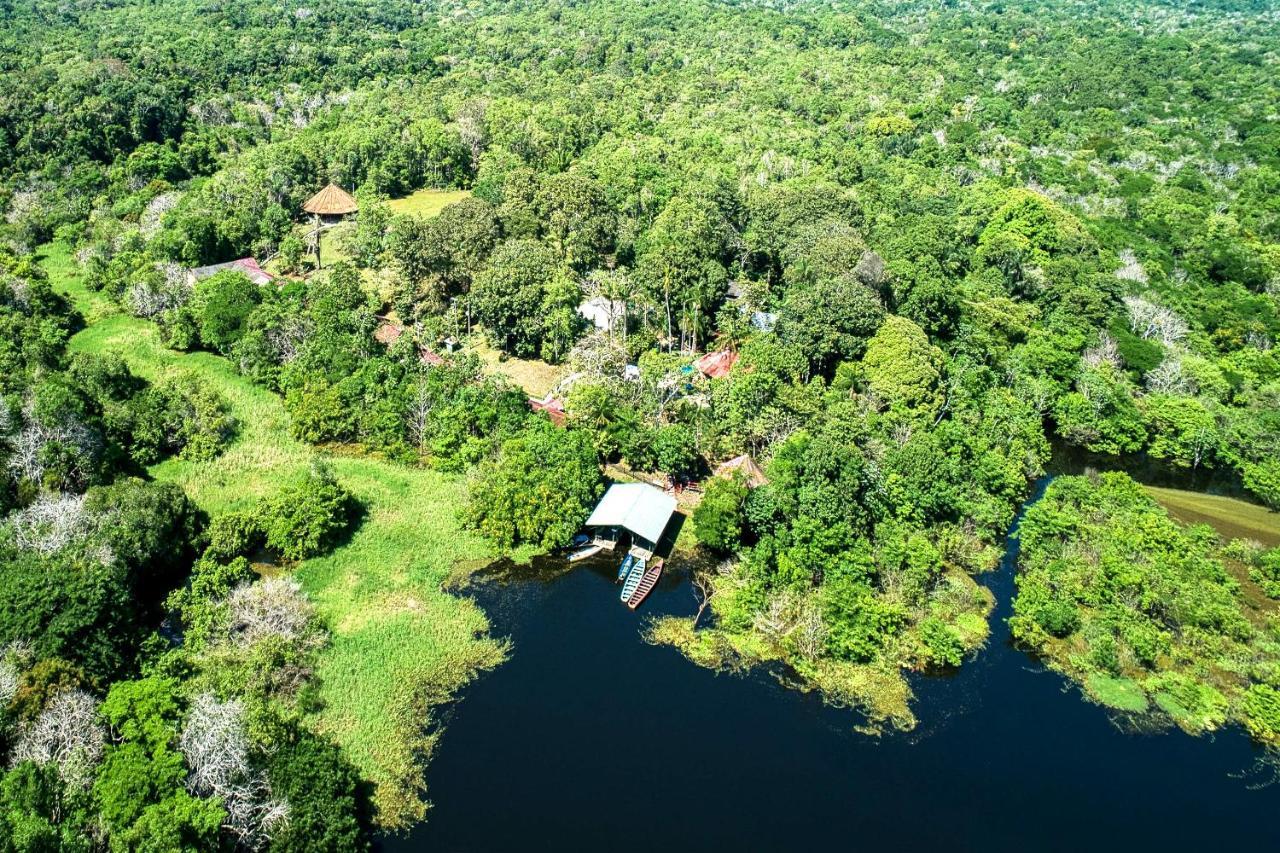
x=587, y=738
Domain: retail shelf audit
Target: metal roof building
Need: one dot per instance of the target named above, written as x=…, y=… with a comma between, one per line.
x=638, y=508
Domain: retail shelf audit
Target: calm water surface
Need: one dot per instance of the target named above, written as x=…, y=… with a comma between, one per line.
x=589, y=739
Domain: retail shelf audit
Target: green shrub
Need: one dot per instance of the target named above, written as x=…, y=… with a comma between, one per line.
x=1058, y=617
x=1263, y=479
x=718, y=519
x=1262, y=711
x=234, y=534
x=305, y=519
x=1266, y=573
x=222, y=305
x=942, y=645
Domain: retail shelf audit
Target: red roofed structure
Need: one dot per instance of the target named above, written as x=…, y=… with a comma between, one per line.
x=553, y=408
x=745, y=466
x=388, y=333
x=716, y=365
x=247, y=266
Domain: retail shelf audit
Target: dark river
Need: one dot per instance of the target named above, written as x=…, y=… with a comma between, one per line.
x=589, y=739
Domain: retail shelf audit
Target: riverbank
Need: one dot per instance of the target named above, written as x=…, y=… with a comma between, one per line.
x=400, y=646
x=588, y=726
x=1142, y=611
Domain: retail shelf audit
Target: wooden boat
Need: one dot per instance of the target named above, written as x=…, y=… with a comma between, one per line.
x=646, y=585
x=634, y=577
x=625, y=568
x=583, y=553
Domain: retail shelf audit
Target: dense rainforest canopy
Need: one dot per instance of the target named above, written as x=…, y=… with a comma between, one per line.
x=930, y=239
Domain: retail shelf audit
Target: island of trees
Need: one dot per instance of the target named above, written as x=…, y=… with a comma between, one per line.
x=924, y=244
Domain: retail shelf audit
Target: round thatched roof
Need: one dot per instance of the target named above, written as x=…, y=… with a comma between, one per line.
x=330, y=201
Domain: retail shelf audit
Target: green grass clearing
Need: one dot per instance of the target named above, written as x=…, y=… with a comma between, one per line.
x=1232, y=518
x=427, y=203
x=400, y=644
x=534, y=376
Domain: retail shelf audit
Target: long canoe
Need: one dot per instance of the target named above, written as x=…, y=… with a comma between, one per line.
x=634, y=577
x=647, y=583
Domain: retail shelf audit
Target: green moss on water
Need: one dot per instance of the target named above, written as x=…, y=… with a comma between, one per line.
x=1121, y=694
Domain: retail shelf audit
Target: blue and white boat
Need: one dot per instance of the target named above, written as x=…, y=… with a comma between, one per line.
x=632, y=583
x=627, y=562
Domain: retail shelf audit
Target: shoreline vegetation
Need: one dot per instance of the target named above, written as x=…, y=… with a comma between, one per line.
x=1168, y=622
x=400, y=646
x=880, y=690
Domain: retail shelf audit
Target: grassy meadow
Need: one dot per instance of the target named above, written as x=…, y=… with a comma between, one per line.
x=399, y=643
x=427, y=203
x=1232, y=518
x=535, y=377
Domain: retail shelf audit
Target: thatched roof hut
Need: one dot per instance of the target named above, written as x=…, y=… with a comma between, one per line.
x=751, y=472
x=331, y=201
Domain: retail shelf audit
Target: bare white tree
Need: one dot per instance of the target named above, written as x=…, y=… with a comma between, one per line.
x=704, y=587
x=26, y=461
x=287, y=338
x=1106, y=351
x=597, y=356
x=778, y=618
x=51, y=523
x=153, y=214
x=418, y=415
x=1151, y=321
x=8, y=682
x=150, y=299
x=1131, y=269
x=271, y=608
x=471, y=127
x=810, y=631
x=1168, y=377
x=215, y=743
x=66, y=734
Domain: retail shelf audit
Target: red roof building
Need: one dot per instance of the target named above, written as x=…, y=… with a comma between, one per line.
x=388, y=333
x=248, y=266
x=430, y=356
x=716, y=365
x=553, y=408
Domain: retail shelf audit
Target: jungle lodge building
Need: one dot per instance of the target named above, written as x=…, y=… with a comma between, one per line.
x=636, y=508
